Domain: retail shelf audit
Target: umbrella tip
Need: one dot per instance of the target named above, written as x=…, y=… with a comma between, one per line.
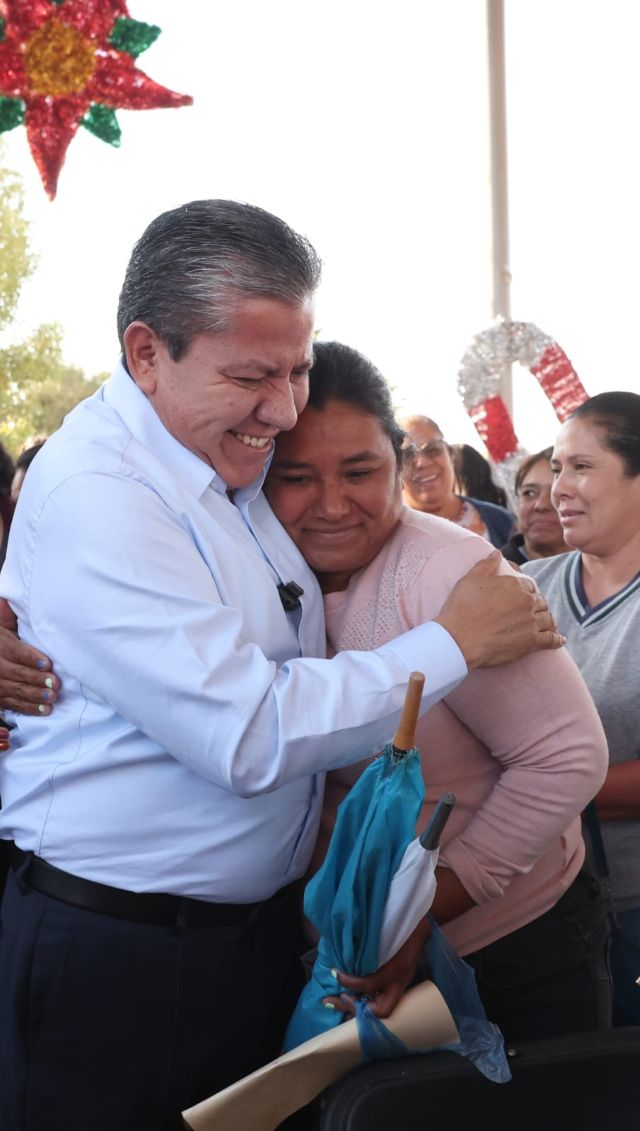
x=430, y=837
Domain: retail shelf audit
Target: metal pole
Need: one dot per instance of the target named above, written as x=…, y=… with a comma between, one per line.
x=501, y=298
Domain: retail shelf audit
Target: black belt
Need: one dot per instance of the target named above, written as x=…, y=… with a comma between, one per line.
x=139, y=907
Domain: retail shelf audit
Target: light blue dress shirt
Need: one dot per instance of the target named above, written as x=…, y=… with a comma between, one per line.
x=187, y=749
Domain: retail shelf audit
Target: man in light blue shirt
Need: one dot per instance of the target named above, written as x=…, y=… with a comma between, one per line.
x=162, y=812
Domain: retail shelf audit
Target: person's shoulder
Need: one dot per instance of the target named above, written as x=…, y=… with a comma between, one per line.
x=439, y=542
x=546, y=568
x=498, y=520
x=489, y=508
x=512, y=549
x=499, y=517
x=87, y=441
x=435, y=533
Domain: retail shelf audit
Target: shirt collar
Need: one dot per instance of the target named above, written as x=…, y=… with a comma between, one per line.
x=140, y=417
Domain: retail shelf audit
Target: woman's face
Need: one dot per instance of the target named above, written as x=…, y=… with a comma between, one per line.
x=335, y=486
x=598, y=504
x=428, y=475
x=537, y=519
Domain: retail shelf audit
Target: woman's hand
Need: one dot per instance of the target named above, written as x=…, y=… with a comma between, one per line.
x=385, y=986
x=27, y=684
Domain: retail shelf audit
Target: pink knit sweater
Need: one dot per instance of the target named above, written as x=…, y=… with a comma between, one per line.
x=521, y=746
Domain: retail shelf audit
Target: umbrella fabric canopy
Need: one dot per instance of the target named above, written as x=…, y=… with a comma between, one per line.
x=346, y=899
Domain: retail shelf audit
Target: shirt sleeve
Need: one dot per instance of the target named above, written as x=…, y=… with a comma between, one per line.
x=133, y=613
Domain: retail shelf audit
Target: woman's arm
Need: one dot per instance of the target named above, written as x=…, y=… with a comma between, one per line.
x=619, y=798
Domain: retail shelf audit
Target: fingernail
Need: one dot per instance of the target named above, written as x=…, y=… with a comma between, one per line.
x=46, y=696
x=328, y=1005
x=48, y=682
x=43, y=665
x=41, y=708
x=334, y=974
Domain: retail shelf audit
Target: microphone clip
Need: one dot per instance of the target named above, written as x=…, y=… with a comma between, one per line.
x=290, y=595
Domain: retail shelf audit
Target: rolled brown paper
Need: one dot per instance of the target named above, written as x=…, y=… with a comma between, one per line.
x=405, y=736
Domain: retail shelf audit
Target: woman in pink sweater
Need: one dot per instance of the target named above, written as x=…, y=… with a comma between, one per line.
x=520, y=746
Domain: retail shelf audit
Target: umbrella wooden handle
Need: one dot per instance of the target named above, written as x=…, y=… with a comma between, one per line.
x=405, y=736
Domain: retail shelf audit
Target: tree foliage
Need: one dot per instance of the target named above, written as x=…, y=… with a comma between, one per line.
x=37, y=388
x=16, y=260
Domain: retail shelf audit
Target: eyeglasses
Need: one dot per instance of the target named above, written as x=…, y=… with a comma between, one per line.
x=432, y=450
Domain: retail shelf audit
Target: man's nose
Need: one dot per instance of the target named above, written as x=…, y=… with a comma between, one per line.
x=278, y=408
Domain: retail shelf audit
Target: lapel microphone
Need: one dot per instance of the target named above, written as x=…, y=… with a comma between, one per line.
x=290, y=595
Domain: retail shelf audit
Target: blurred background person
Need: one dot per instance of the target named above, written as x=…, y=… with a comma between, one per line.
x=538, y=532
x=6, y=504
x=475, y=475
x=430, y=483
x=594, y=593
x=23, y=461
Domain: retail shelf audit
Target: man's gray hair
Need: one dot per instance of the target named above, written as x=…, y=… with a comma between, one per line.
x=193, y=265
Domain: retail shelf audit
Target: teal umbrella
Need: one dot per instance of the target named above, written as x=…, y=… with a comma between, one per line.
x=376, y=883
x=347, y=898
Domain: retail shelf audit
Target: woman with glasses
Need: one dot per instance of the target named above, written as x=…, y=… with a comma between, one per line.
x=538, y=533
x=430, y=483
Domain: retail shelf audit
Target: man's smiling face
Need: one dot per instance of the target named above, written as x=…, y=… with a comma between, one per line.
x=231, y=393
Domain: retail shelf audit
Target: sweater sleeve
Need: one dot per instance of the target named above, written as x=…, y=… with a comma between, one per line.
x=537, y=719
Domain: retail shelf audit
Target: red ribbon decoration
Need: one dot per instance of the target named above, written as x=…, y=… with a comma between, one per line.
x=495, y=428
x=481, y=370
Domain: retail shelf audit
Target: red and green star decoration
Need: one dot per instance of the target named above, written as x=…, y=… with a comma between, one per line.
x=66, y=63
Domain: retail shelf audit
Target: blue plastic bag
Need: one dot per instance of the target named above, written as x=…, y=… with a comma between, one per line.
x=480, y=1040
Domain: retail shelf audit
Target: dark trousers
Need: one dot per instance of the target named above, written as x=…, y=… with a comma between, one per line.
x=625, y=967
x=119, y=1026
x=552, y=976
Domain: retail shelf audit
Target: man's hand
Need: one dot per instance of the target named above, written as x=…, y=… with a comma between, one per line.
x=385, y=986
x=27, y=683
x=496, y=618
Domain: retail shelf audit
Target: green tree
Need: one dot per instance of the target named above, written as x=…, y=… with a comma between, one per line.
x=37, y=388
x=16, y=259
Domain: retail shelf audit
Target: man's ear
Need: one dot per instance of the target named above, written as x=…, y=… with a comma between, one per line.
x=141, y=346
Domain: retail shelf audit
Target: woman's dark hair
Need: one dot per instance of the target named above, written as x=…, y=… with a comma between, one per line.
x=340, y=373
x=26, y=458
x=618, y=417
x=6, y=470
x=527, y=464
x=475, y=474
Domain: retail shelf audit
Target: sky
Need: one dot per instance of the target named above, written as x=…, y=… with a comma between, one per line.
x=365, y=126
